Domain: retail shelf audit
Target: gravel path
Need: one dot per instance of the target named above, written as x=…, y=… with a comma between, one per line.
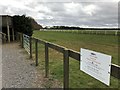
x=17, y=70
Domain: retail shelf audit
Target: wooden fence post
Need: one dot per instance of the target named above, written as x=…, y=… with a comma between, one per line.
x=17, y=36
x=22, y=39
x=46, y=60
x=30, y=42
x=36, y=51
x=66, y=69
x=116, y=33
x=105, y=32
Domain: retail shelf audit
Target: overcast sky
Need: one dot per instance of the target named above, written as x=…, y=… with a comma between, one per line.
x=83, y=13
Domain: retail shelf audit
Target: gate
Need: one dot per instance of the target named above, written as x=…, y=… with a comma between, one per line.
x=26, y=44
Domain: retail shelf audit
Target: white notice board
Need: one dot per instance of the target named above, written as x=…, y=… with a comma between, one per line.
x=96, y=64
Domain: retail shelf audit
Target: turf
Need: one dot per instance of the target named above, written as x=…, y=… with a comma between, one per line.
x=107, y=44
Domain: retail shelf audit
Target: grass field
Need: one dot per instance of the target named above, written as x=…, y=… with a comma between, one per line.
x=102, y=43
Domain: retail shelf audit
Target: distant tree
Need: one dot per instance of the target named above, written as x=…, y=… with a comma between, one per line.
x=22, y=24
x=46, y=27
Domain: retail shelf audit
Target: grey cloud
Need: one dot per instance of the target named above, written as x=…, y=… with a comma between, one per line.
x=105, y=15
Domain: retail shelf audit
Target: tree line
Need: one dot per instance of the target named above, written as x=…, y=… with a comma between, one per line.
x=78, y=28
x=22, y=24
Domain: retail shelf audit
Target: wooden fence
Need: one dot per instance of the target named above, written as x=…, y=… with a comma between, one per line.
x=97, y=32
x=3, y=37
x=115, y=69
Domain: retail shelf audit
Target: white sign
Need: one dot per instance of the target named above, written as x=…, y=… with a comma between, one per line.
x=96, y=64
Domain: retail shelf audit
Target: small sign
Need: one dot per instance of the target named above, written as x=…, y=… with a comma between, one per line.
x=96, y=64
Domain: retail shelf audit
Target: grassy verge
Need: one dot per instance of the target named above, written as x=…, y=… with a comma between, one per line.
x=101, y=43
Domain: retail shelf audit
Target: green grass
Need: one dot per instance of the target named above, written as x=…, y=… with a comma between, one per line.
x=102, y=43
x=107, y=44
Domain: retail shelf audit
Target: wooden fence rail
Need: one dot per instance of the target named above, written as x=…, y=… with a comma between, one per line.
x=115, y=69
x=97, y=32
